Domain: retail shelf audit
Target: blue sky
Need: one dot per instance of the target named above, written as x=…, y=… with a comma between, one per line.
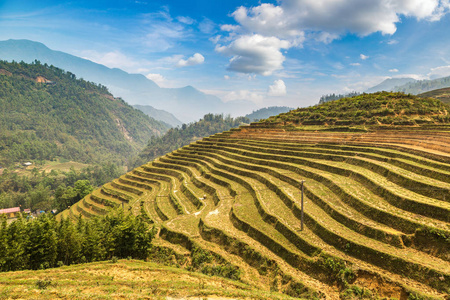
x=286, y=52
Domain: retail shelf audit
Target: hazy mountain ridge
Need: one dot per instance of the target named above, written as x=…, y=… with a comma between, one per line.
x=266, y=112
x=187, y=103
x=389, y=84
x=410, y=85
x=422, y=86
x=159, y=114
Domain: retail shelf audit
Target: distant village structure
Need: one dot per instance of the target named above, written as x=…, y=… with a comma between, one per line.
x=41, y=79
x=12, y=212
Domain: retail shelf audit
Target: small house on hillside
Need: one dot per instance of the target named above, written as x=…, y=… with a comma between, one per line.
x=27, y=164
x=10, y=212
x=41, y=79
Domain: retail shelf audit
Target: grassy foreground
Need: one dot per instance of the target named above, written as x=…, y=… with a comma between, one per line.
x=124, y=279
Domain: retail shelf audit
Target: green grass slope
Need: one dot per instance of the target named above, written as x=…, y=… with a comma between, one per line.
x=377, y=201
x=383, y=108
x=47, y=112
x=440, y=94
x=125, y=279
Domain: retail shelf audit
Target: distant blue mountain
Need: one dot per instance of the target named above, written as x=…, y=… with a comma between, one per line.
x=266, y=112
x=411, y=86
x=158, y=114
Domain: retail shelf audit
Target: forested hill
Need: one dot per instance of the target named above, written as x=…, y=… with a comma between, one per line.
x=47, y=112
x=179, y=137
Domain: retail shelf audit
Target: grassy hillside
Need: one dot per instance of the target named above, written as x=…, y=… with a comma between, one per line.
x=441, y=94
x=376, y=201
x=381, y=108
x=125, y=279
x=47, y=112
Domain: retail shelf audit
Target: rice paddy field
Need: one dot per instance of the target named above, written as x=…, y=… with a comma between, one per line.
x=376, y=217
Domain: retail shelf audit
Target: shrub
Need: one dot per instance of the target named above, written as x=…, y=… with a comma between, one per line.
x=43, y=284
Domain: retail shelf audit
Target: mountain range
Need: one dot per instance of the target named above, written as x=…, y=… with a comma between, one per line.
x=266, y=112
x=159, y=114
x=389, y=84
x=186, y=104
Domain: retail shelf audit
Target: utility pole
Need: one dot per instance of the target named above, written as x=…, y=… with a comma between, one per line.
x=302, y=206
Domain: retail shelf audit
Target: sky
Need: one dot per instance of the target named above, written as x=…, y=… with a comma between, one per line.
x=285, y=52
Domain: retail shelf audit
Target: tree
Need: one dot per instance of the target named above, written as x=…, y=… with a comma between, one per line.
x=83, y=188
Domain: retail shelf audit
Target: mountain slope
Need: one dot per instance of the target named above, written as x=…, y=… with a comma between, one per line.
x=160, y=115
x=376, y=210
x=422, y=86
x=187, y=103
x=390, y=84
x=47, y=112
x=266, y=112
x=179, y=137
x=411, y=86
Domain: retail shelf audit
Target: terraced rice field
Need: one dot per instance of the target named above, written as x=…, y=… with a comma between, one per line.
x=376, y=208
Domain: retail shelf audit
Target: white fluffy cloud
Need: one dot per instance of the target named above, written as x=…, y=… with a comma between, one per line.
x=290, y=22
x=255, y=54
x=291, y=17
x=158, y=78
x=243, y=95
x=363, y=57
x=393, y=70
x=196, y=59
x=442, y=71
x=278, y=88
x=266, y=19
